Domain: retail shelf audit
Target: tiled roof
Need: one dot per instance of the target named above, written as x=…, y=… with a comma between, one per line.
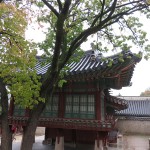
x=138, y=98
x=92, y=66
x=117, y=103
x=137, y=108
x=41, y=66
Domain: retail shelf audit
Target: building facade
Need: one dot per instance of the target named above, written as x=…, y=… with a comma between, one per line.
x=82, y=111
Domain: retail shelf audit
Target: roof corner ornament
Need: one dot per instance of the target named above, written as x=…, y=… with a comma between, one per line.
x=93, y=57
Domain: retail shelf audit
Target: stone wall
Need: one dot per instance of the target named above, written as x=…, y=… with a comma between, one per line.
x=134, y=127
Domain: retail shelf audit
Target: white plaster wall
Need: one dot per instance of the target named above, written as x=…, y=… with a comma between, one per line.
x=134, y=126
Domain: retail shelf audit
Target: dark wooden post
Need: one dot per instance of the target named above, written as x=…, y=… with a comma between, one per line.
x=61, y=108
x=11, y=106
x=98, y=105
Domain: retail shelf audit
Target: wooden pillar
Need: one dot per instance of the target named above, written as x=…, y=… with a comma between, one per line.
x=59, y=144
x=98, y=105
x=47, y=139
x=11, y=106
x=98, y=145
x=101, y=137
x=46, y=133
x=61, y=108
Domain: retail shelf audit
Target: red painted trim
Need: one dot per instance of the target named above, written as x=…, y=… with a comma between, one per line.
x=104, y=107
x=98, y=105
x=79, y=92
x=61, y=107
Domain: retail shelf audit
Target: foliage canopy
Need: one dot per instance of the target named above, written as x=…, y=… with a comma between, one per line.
x=69, y=24
x=72, y=22
x=17, y=57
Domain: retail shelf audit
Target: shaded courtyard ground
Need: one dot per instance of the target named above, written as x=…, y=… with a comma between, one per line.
x=133, y=142
x=128, y=142
x=136, y=142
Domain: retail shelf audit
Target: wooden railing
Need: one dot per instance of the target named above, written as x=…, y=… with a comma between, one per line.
x=83, y=124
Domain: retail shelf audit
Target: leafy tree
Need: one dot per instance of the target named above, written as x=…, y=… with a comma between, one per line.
x=146, y=92
x=70, y=23
x=17, y=60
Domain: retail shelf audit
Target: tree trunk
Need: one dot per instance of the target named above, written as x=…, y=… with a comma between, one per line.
x=6, y=140
x=29, y=130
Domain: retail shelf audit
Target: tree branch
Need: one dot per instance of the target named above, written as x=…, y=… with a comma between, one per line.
x=51, y=7
x=103, y=24
x=77, y=2
x=100, y=15
x=113, y=7
x=13, y=38
x=59, y=4
x=53, y=70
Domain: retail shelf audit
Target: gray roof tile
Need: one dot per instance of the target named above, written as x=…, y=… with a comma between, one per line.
x=92, y=63
x=138, y=108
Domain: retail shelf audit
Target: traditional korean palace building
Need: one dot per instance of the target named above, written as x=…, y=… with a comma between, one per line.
x=82, y=111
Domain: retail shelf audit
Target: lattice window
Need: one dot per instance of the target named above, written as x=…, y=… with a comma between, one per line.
x=51, y=109
x=91, y=106
x=80, y=106
x=69, y=104
x=75, y=102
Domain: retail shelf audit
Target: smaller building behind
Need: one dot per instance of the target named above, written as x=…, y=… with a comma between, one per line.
x=136, y=118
